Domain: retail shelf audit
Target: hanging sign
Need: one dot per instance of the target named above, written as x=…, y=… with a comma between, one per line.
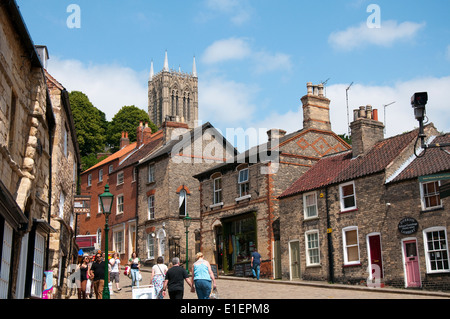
x=408, y=225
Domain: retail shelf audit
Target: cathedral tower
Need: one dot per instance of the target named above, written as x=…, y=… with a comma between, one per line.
x=173, y=96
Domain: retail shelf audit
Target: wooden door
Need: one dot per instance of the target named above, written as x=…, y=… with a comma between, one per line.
x=295, y=260
x=412, y=272
x=375, y=257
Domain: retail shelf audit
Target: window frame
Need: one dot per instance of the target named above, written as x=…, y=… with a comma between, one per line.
x=151, y=173
x=100, y=175
x=305, y=206
x=244, y=184
x=120, y=206
x=119, y=242
x=309, y=250
x=428, y=252
x=89, y=180
x=424, y=198
x=342, y=198
x=217, y=199
x=346, y=246
x=151, y=208
x=120, y=178
x=151, y=246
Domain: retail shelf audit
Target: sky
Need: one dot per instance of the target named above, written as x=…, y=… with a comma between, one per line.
x=254, y=57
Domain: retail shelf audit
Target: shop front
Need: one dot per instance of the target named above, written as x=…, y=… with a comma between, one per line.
x=239, y=241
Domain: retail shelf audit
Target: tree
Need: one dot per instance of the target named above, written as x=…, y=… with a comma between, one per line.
x=90, y=125
x=126, y=120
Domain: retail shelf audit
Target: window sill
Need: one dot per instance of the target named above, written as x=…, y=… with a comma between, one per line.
x=238, y=199
x=216, y=205
x=348, y=211
x=429, y=210
x=352, y=265
x=307, y=219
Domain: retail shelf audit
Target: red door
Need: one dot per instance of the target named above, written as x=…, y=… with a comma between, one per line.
x=375, y=256
x=411, y=263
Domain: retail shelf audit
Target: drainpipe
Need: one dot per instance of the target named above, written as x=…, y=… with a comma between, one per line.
x=330, y=243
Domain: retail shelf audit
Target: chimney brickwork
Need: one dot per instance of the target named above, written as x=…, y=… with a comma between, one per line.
x=316, y=108
x=366, y=130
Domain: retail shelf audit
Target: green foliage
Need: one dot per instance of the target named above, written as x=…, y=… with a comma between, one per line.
x=346, y=138
x=126, y=120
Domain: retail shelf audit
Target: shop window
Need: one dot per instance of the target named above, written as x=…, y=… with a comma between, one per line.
x=5, y=265
x=310, y=205
x=436, y=250
x=351, y=246
x=347, y=196
x=430, y=195
x=38, y=266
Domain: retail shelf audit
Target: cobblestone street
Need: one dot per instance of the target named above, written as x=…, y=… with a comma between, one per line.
x=247, y=288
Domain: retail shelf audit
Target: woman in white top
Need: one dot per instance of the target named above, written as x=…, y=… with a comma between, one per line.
x=158, y=275
x=114, y=274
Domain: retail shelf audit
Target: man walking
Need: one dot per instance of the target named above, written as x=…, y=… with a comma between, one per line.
x=98, y=273
x=174, y=280
x=255, y=264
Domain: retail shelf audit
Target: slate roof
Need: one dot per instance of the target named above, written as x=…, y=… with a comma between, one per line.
x=341, y=167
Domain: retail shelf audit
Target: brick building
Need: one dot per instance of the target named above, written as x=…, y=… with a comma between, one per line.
x=368, y=215
x=238, y=204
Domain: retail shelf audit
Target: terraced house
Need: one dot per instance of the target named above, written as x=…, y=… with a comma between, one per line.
x=373, y=215
x=238, y=204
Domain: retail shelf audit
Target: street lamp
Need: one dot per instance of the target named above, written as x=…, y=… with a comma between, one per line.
x=106, y=200
x=187, y=222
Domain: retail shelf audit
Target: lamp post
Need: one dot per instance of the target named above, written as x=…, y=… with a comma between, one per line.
x=187, y=222
x=106, y=200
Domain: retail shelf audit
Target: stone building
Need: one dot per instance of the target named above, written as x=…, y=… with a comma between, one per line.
x=238, y=204
x=372, y=215
x=65, y=160
x=27, y=125
x=167, y=192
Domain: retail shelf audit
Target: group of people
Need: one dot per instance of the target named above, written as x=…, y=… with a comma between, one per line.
x=163, y=278
x=92, y=274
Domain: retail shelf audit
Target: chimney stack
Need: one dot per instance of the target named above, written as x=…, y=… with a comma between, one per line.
x=316, y=108
x=124, y=141
x=366, y=130
x=275, y=134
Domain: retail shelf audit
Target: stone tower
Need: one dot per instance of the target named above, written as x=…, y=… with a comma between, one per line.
x=173, y=96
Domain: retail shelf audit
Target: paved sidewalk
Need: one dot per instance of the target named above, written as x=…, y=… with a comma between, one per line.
x=247, y=288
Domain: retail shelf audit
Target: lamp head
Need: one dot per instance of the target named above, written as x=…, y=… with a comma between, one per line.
x=418, y=102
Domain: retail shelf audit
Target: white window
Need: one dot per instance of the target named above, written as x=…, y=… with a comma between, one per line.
x=217, y=190
x=89, y=179
x=62, y=200
x=243, y=182
x=120, y=200
x=436, y=249
x=118, y=241
x=430, y=196
x=347, y=196
x=351, y=245
x=312, y=248
x=151, y=173
x=99, y=206
x=6, y=260
x=38, y=267
x=110, y=168
x=151, y=207
x=119, y=178
x=100, y=175
x=310, y=205
x=151, y=246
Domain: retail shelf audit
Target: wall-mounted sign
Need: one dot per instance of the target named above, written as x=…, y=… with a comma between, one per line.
x=408, y=225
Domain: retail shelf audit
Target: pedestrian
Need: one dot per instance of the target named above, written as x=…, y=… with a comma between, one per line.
x=174, y=280
x=114, y=274
x=98, y=275
x=157, y=278
x=202, y=276
x=135, y=265
x=256, y=264
x=83, y=268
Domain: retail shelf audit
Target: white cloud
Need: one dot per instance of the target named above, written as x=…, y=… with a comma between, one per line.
x=360, y=36
x=240, y=49
x=239, y=11
x=108, y=86
x=227, y=49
